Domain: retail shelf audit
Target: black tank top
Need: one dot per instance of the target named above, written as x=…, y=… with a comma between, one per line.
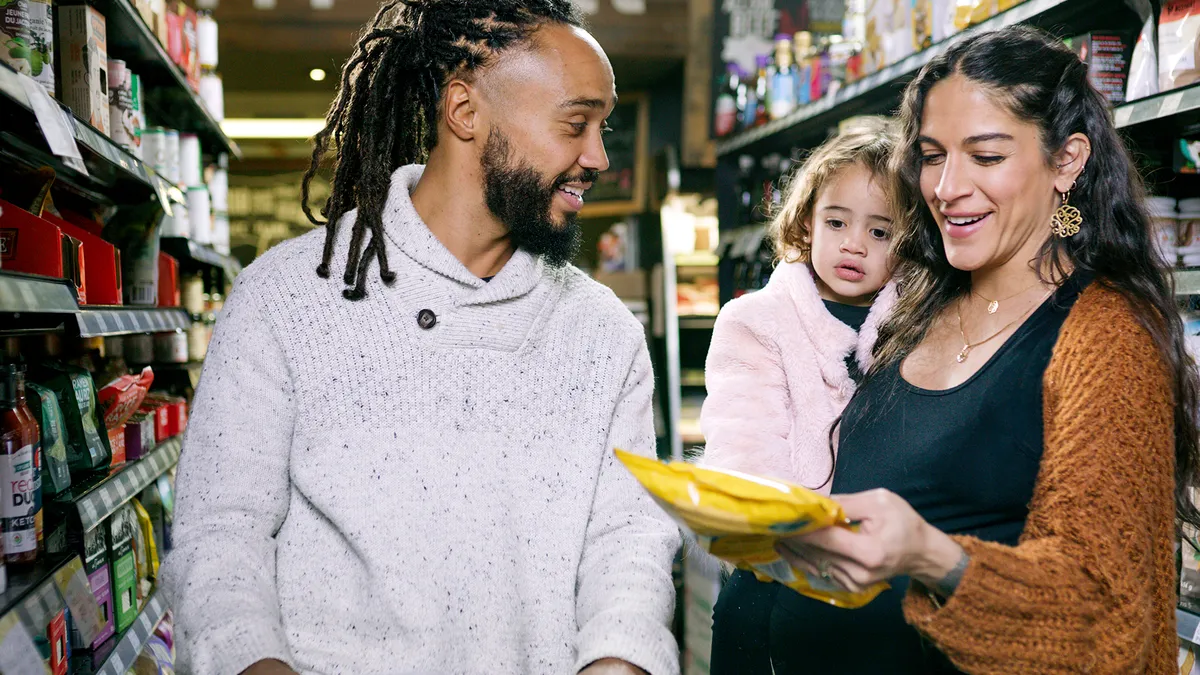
x=965, y=458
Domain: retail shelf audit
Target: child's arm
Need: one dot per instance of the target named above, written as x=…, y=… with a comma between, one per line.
x=747, y=415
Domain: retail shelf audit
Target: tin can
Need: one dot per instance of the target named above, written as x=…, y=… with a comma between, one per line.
x=200, y=214
x=189, y=160
x=177, y=225
x=27, y=39
x=154, y=149
x=212, y=92
x=120, y=105
x=171, y=157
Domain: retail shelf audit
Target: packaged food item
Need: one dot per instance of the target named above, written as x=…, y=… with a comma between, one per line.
x=121, y=116
x=1107, y=55
x=206, y=38
x=739, y=518
x=20, y=445
x=27, y=39
x=95, y=563
x=146, y=552
x=121, y=526
x=190, y=170
x=924, y=19
x=58, y=652
x=87, y=447
x=139, y=436
x=1178, y=44
x=56, y=475
x=889, y=34
x=783, y=79
x=171, y=347
x=1165, y=223
x=83, y=48
x=122, y=397
x=200, y=214
x=1143, y=66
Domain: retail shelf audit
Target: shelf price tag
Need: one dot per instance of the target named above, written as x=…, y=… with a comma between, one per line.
x=52, y=121
x=73, y=583
x=18, y=655
x=1122, y=115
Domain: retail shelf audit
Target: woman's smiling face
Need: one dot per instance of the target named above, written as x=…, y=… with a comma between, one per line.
x=985, y=177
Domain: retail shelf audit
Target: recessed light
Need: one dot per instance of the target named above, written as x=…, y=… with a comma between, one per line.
x=317, y=75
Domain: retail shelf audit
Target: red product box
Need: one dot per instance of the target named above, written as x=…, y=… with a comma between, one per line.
x=56, y=635
x=175, y=45
x=116, y=441
x=161, y=416
x=191, y=46
x=168, y=281
x=34, y=245
x=103, y=271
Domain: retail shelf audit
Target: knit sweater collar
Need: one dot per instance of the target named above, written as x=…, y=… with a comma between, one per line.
x=404, y=227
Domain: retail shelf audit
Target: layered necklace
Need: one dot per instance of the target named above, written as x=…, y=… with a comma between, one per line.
x=992, y=306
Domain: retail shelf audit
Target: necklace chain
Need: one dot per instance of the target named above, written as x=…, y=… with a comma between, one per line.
x=968, y=345
x=994, y=305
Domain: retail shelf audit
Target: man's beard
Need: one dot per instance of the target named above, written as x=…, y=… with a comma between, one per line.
x=520, y=197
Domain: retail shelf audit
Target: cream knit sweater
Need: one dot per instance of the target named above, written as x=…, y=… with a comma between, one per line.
x=359, y=493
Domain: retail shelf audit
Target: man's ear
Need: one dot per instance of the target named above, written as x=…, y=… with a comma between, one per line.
x=461, y=109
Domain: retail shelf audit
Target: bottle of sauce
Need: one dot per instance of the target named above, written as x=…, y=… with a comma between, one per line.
x=783, y=83
x=20, y=439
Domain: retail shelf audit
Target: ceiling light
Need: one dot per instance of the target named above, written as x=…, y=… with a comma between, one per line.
x=273, y=128
x=317, y=75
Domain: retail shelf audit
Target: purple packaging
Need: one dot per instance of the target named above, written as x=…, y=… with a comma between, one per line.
x=95, y=563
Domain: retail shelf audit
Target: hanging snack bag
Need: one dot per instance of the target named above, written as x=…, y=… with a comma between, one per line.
x=739, y=518
x=56, y=476
x=119, y=400
x=87, y=445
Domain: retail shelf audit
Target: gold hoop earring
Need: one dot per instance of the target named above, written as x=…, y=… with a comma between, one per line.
x=1066, y=220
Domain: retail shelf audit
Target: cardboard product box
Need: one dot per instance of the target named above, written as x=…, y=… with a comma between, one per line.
x=176, y=49
x=158, y=10
x=168, y=281
x=34, y=245
x=191, y=46
x=56, y=637
x=116, y=441
x=121, y=526
x=161, y=415
x=1107, y=55
x=95, y=563
x=139, y=436
x=627, y=285
x=103, y=272
x=889, y=35
x=83, y=58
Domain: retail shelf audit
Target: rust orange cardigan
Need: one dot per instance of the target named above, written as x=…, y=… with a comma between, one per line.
x=1090, y=588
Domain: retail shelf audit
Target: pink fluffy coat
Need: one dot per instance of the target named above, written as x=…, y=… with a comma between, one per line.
x=777, y=379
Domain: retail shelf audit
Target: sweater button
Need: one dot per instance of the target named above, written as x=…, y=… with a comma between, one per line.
x=426, y=319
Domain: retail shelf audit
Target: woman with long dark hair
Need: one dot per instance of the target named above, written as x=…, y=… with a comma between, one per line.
x=1020, y=452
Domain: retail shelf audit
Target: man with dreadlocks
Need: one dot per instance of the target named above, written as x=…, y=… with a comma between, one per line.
x=411, y=470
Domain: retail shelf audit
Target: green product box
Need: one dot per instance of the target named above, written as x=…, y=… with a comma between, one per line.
x=121, y=527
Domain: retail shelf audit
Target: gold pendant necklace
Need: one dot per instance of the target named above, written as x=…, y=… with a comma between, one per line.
x=968, y=345
x=994, y=305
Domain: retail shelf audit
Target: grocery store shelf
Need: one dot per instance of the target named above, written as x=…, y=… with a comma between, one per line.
x=1158, y=108
x=32, y=593
x=134, y=639
x=1187, y=281
x=97, y=499
x=185, y=250
x=879, y=91
x=697, y=322
x=173, y=103
x=109, y=165
x=24, y=293
x=111, y=321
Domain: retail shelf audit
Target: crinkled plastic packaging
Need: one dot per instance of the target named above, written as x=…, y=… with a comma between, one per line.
x=739, y=518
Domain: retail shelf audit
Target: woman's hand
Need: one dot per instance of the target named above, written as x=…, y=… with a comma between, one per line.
x=891, y=540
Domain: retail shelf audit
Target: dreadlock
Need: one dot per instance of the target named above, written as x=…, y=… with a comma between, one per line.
x=385, y=112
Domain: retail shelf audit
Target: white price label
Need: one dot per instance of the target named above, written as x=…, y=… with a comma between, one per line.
x=18, y=655
x=50, y=117
x=73, y=583
x=1170, y=104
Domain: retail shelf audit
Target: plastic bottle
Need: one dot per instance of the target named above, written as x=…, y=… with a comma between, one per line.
x=762, y=90
x=803, y=46
x=725, y=113
x=783, y=82
x=20, y=439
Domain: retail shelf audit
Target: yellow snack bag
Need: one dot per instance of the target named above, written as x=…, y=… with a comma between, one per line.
x=738, y=518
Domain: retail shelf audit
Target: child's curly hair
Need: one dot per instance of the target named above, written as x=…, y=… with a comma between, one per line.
x=870, y=142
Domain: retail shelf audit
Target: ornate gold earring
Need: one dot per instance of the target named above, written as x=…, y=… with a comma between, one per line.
x=1066, y=220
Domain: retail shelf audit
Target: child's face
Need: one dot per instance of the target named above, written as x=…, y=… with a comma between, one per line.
x=851, y=233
